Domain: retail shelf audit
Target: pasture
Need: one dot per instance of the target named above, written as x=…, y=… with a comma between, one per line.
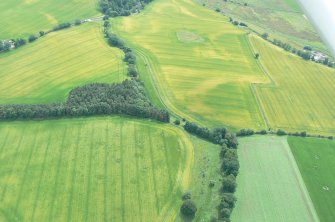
x=270, y=187
x=46, y=70
x=301, y=94
x=315, y=159
x=199, y=64
x=20, y=18
x=93, y=169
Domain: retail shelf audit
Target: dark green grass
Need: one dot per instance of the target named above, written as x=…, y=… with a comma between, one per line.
x=315, y=159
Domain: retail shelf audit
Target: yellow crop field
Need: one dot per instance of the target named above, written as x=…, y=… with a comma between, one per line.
x=201, y=64
x=93, y=169
x=46, y=70
x=302, y=94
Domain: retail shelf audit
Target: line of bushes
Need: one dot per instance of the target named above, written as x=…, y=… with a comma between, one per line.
x=217, y=136
x=237, y=23
x=128, y=98
x=114, y=41
x=306, y=53
x=279, y=132
x=7, y=45
x=229, y=167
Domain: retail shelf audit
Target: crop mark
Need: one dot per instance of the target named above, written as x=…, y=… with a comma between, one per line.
x=52, y=207
x=12, y=166
x=25, y=172
x=123, y=212
x=139, y=200
x=69, y=215
x=153, y=172
x=106, y=173
x=89, y=176
x=40, y=178
x=167, y=160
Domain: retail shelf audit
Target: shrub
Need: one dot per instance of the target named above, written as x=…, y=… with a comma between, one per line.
x=19, y=42
x=245, y=132
x=113, y=40
x=130, y=58
x=62, y=26
x=188, y=208
x=265, y=35
x=228, y=200
x=243, y=24
x=186, y=196
x=77, y=22
x=308, y=48
x=177, y=122
x=229, y=184
x=263, y=132
x=303, y=134
x=281, y=132
x=224, y=214
x=32, y=38
x=132, y=71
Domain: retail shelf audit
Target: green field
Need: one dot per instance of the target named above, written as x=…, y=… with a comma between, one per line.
x=282, y=19
x=270, y=187
x=301, y=94
x=315, y=158
x=200, y=64
x=96, y=169
x=46, y=70
x=20, y=18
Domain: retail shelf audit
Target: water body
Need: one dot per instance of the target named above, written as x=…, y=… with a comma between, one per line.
x=322, y=14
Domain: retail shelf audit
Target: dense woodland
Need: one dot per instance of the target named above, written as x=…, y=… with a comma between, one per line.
x=115, y=8
x=127, y=98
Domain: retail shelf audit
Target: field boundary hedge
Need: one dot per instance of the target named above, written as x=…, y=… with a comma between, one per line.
x=229, y=164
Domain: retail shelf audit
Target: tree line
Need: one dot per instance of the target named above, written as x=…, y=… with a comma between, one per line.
x=217, y=136
x=279, y=132
x=229, y=164
x=305, y=54
x=114, y=41
x=114, y=8
x=7, y=45
x=128, y=98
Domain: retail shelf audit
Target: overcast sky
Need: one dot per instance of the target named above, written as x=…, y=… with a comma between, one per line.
x=322, y=12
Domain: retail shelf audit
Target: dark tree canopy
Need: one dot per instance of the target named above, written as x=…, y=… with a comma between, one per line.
x=217, y=136
x=188, y=208
x=128, y=98
x=115, y=8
